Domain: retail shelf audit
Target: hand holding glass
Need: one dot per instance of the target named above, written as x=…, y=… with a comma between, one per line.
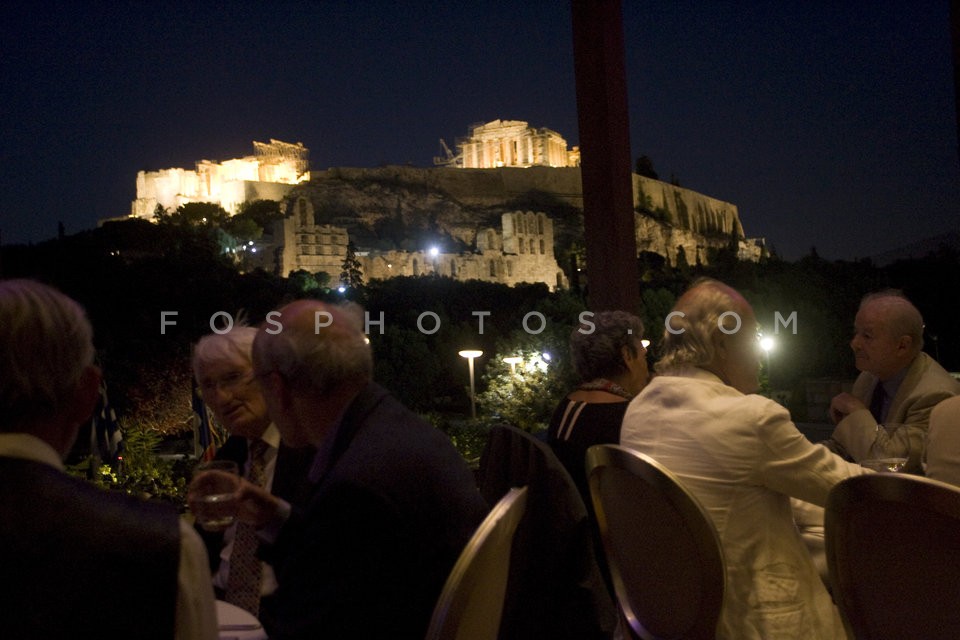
x=887, y=453
x=213, y=494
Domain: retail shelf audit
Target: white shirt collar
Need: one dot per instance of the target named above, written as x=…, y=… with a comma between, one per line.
x=271, y=436
x=29, y=447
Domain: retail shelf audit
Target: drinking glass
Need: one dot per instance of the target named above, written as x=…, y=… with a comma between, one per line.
x=887, y=453
x=213, y=494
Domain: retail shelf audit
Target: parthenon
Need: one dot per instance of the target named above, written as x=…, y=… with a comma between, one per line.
x=511, y=143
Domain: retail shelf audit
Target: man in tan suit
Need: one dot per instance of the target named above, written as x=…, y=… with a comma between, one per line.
x=898, y=383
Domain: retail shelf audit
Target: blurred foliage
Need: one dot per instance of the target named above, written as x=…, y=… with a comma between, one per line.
x=468, y=436
x=140, y=471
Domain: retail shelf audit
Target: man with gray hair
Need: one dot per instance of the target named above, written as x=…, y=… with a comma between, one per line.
x=394, y=503
x=744, y=459
x=76, y=560
x=898, y=384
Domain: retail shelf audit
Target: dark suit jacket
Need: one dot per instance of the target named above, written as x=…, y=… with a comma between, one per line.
x=290, y=482
x=394, y=506
x=76, y=561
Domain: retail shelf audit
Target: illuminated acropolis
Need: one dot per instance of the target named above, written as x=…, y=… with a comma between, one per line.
x=269, y=174
x=511, y=143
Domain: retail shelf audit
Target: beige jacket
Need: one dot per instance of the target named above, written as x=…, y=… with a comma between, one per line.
x=925, y=385
x=743, y=458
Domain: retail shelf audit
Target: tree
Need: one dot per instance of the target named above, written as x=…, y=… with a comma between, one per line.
x=244, y=230
x=644, y=167
x=197, y=214
x=351, y=274
x=302, y=281
x=262, y=212
x=683, y=265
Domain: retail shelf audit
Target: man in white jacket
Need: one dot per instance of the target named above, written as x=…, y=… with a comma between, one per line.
x=744, y=459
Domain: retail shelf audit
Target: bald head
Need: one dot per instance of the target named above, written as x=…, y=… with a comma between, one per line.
x=888, y=334
x=316, y=346
x=898, y=315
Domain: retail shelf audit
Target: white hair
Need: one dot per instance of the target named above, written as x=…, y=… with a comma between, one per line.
x=234, y=345
x=46, y=343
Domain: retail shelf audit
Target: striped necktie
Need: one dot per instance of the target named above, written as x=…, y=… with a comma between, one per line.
x=246, y=570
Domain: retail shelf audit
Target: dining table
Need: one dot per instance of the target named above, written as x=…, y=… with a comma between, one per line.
x=234, y=623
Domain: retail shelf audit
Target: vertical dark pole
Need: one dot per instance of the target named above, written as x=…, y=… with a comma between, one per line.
x=609, y=228
x=955, y=38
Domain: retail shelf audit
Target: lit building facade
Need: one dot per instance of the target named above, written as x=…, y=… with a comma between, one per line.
x=521, y=250
x=514, y=143
x=269, y=174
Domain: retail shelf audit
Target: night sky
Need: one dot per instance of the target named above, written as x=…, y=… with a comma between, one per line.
x=829, y=124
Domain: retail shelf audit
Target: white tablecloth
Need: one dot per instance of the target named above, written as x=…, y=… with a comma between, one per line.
x=238, y=624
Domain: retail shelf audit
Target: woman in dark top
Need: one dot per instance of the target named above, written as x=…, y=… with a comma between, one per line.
x=611, y=362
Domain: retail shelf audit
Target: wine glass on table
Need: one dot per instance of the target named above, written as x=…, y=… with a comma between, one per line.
x=888, y=453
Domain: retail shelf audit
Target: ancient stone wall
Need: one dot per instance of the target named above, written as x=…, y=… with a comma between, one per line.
x=667, y=216
x=521, y=250
x=268, y=175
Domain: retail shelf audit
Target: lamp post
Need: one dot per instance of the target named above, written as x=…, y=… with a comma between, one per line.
x=513, y=361
x=767, y=344
x=471, y=355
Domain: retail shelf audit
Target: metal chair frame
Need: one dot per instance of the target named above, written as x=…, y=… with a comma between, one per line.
x=471, y=603
x=893, y=548
x=662, y=547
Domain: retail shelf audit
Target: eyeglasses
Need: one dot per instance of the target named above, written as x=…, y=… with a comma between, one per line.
x=228, y=383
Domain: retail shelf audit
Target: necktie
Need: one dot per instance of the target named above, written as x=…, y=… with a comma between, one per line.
x=246, y=572
x=876, y=402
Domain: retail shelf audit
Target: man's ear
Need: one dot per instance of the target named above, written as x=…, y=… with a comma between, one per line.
x=905, y=343
x=277, y=386
x=720, y=342
x=85, y=395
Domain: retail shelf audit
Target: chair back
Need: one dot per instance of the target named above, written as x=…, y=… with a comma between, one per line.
x=471, y=603
x=555, y=589
x=893, y=549
x=663, y=550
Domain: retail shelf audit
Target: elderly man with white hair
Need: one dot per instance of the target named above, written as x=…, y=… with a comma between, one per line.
x=78, y=561
x=898, y=383
x=744, y=459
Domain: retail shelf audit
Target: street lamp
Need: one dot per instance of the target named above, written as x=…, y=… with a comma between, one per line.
x=767, y=344
x=470, y=355
x=513, y=361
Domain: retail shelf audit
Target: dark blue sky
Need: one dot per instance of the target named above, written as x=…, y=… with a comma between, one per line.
x=828, y=124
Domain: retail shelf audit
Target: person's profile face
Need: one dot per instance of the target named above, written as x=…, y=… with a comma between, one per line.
x=636, y=363
x=876, y=349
